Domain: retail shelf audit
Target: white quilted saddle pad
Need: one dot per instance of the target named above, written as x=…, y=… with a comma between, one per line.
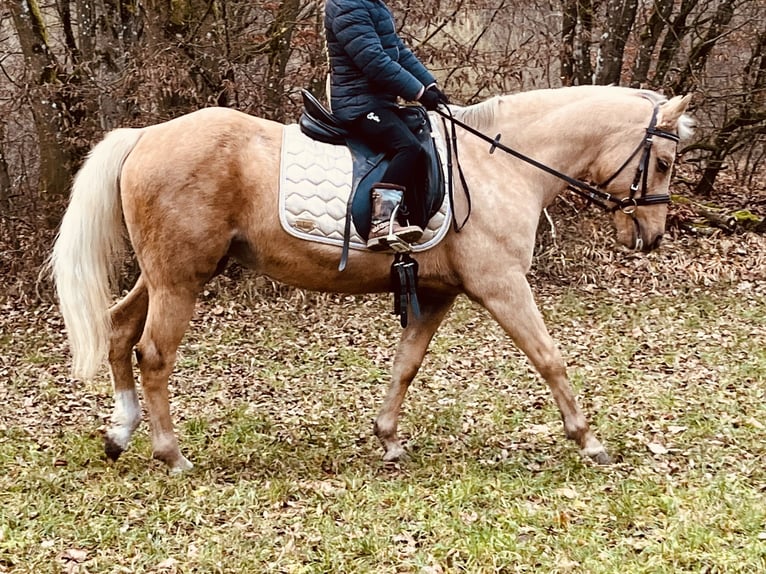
x=314, y=187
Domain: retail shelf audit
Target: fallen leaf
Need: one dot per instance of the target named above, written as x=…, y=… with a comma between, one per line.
x=563, y=519
x=167, y=564
x=755, y=423
x=568, y=565
x=567, y=492
x=539, y=429
x=657, y=448
x=434, y=568
x=469, y=517
x=74, y=555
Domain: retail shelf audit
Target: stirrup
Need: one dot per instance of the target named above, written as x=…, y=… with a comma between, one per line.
x=397, y=244
x=391, y=241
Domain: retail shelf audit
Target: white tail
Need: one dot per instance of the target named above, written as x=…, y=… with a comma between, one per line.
x=90, y=238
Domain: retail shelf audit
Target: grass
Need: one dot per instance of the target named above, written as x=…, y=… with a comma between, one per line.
x=274, y=402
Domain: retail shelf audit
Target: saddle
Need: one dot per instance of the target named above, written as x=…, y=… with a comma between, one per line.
x=423, y=202
x=319, y=124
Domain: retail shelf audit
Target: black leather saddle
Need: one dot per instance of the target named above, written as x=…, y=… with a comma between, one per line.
x=318, y=123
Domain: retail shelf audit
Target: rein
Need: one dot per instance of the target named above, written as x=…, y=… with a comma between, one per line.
x=596, y=196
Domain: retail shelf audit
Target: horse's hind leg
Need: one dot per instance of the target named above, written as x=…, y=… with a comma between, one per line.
x=128, y=318
x=514, y=308
x=170, y=310
x=409, y=356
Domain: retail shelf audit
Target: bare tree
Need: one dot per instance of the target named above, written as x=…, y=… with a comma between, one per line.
x=649, y=36
x=280, y=33
x=745, y=120
x=709, y=29
x=44, y=95
x=680, y=47
x=72, y=69
x=677, y=30
x=5, y=177
x=620, y=15
x=576, y=40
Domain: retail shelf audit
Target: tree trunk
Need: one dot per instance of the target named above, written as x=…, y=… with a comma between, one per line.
x=568, y=32
x=576, y=32
x=43, y=97
x=584, y=66
x=672, y=41
x=649, y=37
x=620, y=16
x=5, y=177
x=688, y=80
x=280, y=33
x=729, y=138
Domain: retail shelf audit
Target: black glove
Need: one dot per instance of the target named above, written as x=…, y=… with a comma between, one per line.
x=432, y=97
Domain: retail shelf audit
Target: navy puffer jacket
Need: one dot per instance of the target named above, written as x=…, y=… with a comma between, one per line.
x=369, y=64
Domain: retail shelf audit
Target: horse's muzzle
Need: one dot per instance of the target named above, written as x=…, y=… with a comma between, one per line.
x=648, y=245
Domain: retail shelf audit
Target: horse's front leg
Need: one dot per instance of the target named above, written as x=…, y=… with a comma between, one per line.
x=409, y=356
x=513, y=306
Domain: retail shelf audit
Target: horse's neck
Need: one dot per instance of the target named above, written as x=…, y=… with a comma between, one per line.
x=536, y=126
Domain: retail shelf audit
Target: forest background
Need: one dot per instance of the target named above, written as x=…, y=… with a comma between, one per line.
x=274, y=403
x=70, y=70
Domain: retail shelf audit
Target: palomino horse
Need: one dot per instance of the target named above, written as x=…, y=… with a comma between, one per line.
x=201, y=188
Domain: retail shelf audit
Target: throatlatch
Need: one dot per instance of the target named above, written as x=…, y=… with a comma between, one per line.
x=404, y=283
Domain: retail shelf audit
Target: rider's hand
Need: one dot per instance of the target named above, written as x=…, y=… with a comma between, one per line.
x=432, y=97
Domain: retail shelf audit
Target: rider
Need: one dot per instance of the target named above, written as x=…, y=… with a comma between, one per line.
x=370, y=67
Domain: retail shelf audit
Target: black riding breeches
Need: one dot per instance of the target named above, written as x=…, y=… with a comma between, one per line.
x=384, y=131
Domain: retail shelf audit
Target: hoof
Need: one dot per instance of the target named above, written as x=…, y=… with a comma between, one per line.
x=181, y=466
x=112, y=449
x=394, y=453
x=601, y=458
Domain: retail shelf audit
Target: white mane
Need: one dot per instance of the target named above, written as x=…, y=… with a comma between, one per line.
x=482, y=115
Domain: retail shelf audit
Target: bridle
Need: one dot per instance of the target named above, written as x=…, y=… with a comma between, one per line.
x=629, y=204
x=594, y=194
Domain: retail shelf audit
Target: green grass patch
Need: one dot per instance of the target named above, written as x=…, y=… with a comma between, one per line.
x=274, y=404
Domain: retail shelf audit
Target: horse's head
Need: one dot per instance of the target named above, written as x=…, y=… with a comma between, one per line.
x=641, y=183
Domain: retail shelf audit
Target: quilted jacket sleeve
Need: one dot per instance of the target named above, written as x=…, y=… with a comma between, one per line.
x=355, y=31
x=410, y=62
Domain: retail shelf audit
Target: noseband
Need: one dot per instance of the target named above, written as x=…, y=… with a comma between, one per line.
x=595, y=195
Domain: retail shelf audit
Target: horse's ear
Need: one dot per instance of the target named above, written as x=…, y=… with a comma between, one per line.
x=671, y=111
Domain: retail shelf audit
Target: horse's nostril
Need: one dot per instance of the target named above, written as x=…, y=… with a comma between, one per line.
x=656, y=243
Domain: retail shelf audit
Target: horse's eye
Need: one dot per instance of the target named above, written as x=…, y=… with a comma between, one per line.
x=662, y=165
